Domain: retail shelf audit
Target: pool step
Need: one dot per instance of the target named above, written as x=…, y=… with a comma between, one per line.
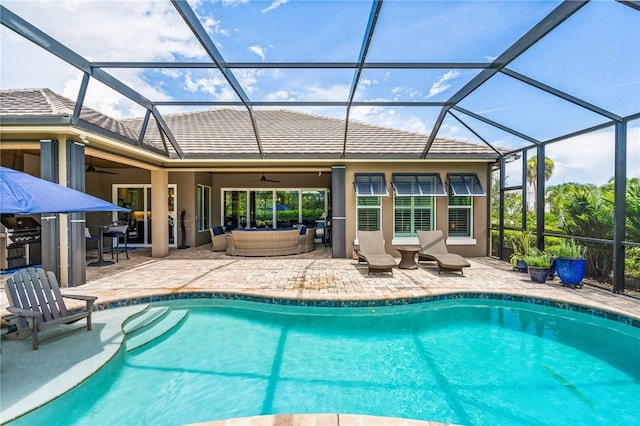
x=146, y=317
x=155, y=329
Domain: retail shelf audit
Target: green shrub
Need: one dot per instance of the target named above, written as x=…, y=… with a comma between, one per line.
x=540, y=260
x=571, y=249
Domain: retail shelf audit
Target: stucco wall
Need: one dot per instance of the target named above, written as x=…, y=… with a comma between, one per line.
x=479, y=203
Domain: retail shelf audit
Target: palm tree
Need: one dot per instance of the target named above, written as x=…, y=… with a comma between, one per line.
x=556, y=197
x=532, y=174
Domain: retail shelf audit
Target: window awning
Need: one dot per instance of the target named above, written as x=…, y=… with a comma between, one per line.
x=465, y=184
x=418, y=185
x=371, y=185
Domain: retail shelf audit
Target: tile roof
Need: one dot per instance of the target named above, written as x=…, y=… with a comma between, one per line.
x=228, y=133
x=33, y=103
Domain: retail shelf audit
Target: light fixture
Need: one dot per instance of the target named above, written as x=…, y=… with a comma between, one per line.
x=511, y=158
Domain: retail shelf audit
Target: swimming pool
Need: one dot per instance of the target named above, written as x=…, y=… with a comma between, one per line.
x=460, y=361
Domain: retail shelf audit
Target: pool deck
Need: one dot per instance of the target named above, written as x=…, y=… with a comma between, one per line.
x=31, y=378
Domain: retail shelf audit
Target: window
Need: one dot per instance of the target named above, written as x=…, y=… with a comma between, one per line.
x=414, y=202
x=370, y=185
x=370, y=188
x=462, y=189
x=369, y=214
x=204, y=207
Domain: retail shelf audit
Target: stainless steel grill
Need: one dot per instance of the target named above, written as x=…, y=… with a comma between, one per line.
x=19, y=242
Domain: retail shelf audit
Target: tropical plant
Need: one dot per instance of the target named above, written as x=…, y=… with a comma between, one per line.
x=589, y=213
x=570, y=249
x=521, y=244
x=532, y=174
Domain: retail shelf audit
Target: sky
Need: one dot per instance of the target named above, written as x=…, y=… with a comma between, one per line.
x=594, y=55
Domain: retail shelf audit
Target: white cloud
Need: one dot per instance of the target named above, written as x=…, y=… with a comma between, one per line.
x=590, y=158
x=103, y=99
x=233, y=2
x=441, y=84
x=390, y=117
x=159, y=33
x=280, y=95
x=208, y=85
x=258, y=51
x=276, y=4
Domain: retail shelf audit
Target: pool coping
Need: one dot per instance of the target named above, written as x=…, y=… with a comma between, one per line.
x=375, y=302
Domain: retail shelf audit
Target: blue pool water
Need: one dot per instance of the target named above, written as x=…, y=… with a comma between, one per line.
x=465, y=362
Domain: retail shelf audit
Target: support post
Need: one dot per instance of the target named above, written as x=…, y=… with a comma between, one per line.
x=540, y=204
x=619, y=206
x=501, y=220
x=49, y=226
x=77, y=243
x=159, y=213
x=338, y=213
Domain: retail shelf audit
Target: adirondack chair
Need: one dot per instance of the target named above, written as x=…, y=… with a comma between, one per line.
x=34, y=296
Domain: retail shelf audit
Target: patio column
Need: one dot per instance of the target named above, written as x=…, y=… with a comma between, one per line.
x=338, y=214
x=76, y=222
x=159, y=213
x=49, y=224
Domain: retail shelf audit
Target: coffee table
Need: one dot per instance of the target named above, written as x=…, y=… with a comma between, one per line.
x=407, y=256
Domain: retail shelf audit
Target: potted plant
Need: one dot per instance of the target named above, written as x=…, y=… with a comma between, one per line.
x=521, y=244
x=552, y=251
x=571, y=263
x=538, y=264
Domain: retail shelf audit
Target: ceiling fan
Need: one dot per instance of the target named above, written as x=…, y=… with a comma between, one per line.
x=91, y=169
x=264, y=179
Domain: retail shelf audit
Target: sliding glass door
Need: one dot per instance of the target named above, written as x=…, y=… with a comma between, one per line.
x=281, y=208
x=138, y=199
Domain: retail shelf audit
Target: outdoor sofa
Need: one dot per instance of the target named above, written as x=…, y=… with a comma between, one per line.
x=263, y=242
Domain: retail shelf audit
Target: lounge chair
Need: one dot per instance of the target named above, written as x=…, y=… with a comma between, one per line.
x=373, y=253
x=34, y=297
x=433, y=248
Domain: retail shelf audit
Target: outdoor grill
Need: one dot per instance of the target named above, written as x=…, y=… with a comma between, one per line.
x=19, y=241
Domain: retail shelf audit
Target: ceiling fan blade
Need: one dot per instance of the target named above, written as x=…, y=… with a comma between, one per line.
x=264, y=179
x=91, y=169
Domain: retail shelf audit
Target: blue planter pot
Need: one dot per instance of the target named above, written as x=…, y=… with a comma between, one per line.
x=538, y=275
x=521, y=266
x=571, y=271
x=552, y=269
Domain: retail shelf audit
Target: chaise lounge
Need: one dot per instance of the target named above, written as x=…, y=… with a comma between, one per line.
x=372, y=252
x=433, y=248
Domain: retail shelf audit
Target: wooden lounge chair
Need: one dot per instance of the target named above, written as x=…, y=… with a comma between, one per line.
x=433, y=248
x=34, y=296
x=372, y=251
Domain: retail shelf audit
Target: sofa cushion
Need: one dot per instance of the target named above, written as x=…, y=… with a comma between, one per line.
x=218, y=230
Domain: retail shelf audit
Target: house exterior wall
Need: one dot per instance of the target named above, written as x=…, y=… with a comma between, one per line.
x=480, y=222
x=100, y=185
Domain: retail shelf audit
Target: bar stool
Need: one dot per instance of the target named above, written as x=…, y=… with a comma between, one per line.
x=118, y=230
x=89, y=237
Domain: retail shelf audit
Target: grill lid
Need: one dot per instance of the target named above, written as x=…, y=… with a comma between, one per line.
x=19, y=222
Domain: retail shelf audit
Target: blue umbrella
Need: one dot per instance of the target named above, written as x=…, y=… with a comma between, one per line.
x=279, y=207
x=21, y=193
